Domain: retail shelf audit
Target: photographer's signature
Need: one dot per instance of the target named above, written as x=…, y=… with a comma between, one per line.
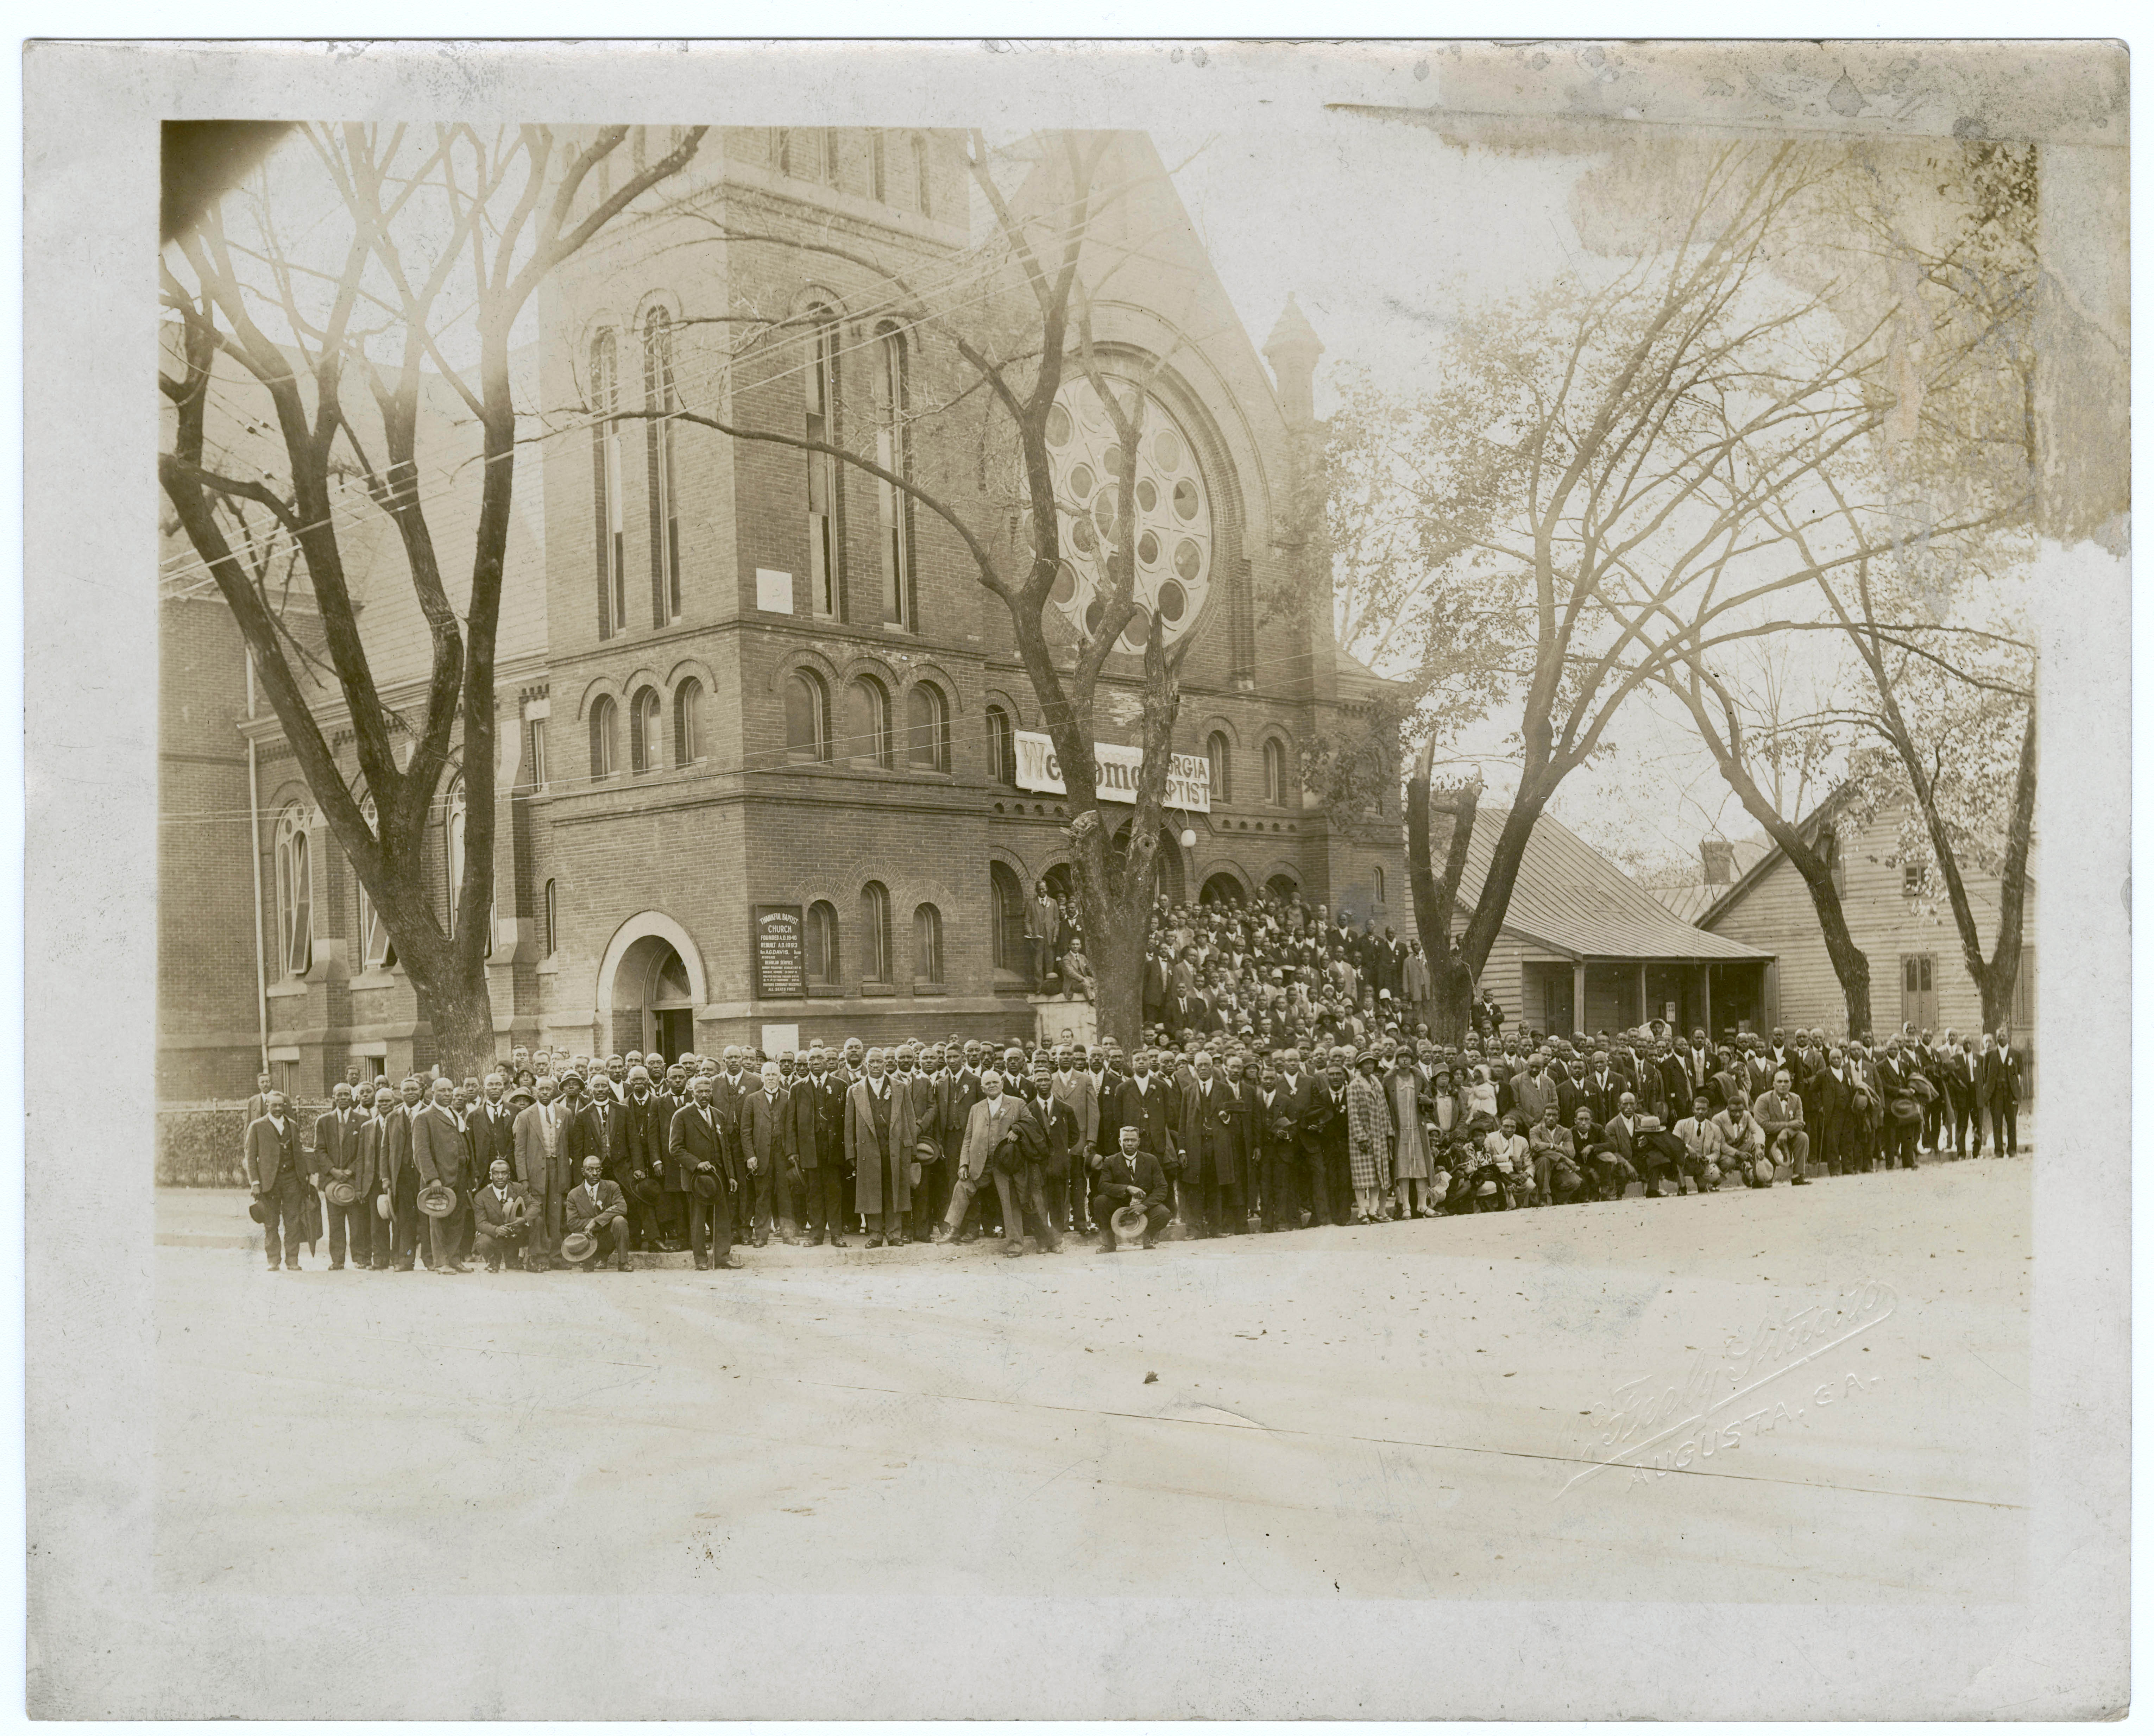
x=1705, y=1407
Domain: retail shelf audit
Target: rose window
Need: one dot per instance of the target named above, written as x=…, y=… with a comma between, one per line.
x=1173, y=522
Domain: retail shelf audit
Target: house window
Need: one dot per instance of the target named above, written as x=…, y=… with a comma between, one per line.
x=605, y=747
x=295, y=894
x=1006, y=919
x=1221, y=757
x=606, y=482
x=1002, y=746
x=376, y=950
x=2023, y=992
x=688, y=722
x=927, y=944
x=825, y=534
x=1275, y=783
x=892, y=503
x=1376, y=883
x=453, y=847
x=1912, y=877
x=664, y=401
x=538, y=753
x=553, y=921
x=922, y=193
x=807, y=717
x=821, y=947
x=877, y=172
x=874, y=931
x=867, y=727
x=644, y=749
x=926, y=728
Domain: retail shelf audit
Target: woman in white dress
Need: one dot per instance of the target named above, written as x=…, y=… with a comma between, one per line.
x=1410, y=1156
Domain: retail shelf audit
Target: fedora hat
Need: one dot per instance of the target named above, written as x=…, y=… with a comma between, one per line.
x=1128, y=1225
x=437, y=1200
x=254, y=1210
x=578, y=1246
x=706, y=1183
x=341, y=1193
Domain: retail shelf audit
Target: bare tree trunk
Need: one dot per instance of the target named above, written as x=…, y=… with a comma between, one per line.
x=1999, y=982
x=456, y=1003
x=1435, y=897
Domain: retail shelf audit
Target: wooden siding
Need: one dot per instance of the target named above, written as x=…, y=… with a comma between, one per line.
x=1777, y=917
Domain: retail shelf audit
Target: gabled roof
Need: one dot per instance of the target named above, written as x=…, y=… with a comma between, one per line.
x=1690, y=896
x=1808, y=828
x=1570, y=899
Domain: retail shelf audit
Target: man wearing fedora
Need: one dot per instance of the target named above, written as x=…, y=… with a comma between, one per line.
x=343, y=1164
x=441, y=1155
x=599, y=1214
x=274, y=1174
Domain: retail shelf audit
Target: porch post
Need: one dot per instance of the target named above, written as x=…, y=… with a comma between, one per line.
x=1644, y=1004
x=1708, y=969
x=1578, y=998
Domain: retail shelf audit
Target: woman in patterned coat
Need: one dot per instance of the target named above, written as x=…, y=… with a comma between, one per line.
x=1368, y=1140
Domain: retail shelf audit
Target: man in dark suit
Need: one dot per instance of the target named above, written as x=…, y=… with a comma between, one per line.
x=648, y=1116
x=1831, y=1103
x=1989, y=1089
x=1210, y=1135
x=1274, y=1141
x=814, y=1116
x=276, y=1172
x=696, y=1146
x=339, y=1156
x=491, y=1125
x=597, y=1207
x=1129, y=1176
x=2009, y=1089
x=1108, y=1098
x=1326, y=1183
x=442, y=1155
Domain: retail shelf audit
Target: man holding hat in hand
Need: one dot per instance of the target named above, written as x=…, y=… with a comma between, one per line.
x=501, y=1214
x=439, y=1154
x=598, y=1214
x=273, y=1173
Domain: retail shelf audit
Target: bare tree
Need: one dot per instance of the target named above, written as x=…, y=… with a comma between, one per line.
x=434, y=227
x=1605, y=488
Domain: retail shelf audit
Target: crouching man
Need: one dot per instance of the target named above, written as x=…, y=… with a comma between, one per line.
x=595, y=1207
x=1779, y=1117
x=1130, y=1178
x=501, y=1215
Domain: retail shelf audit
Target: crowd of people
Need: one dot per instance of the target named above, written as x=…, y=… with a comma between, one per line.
x=1285, y=1078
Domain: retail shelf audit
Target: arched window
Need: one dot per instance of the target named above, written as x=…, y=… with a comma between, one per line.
x=1275, y=778
x=552, y=921
x=1221, y=755
x=893, y=504
x=830, y=155
x=825, y=529
x=295, y=894
x=875, y=931
x=1006, y=916
x=605, y=743
x=782, y=150
x=922, y=192
x=605, y=484
x=1376, y=880
x=646, y=750
x=1002, y=746
x=638, y=147
x=453, y=847
x=688, y=722
x=662, y=400
x=878, y=168
x=867, y=727
x=807, y=717
x=376, y=950
x=820, y=964
x=927, y=944
x=926, y=728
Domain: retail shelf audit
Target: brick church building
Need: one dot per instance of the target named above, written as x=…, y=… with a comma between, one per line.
x=771, y=770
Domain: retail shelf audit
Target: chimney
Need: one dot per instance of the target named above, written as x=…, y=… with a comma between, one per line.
x=1720, y=858
x=1292, y=350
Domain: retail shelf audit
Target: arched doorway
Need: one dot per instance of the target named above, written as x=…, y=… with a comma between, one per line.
x=1284, y=886
x=650, y=984
x=1221, y=888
